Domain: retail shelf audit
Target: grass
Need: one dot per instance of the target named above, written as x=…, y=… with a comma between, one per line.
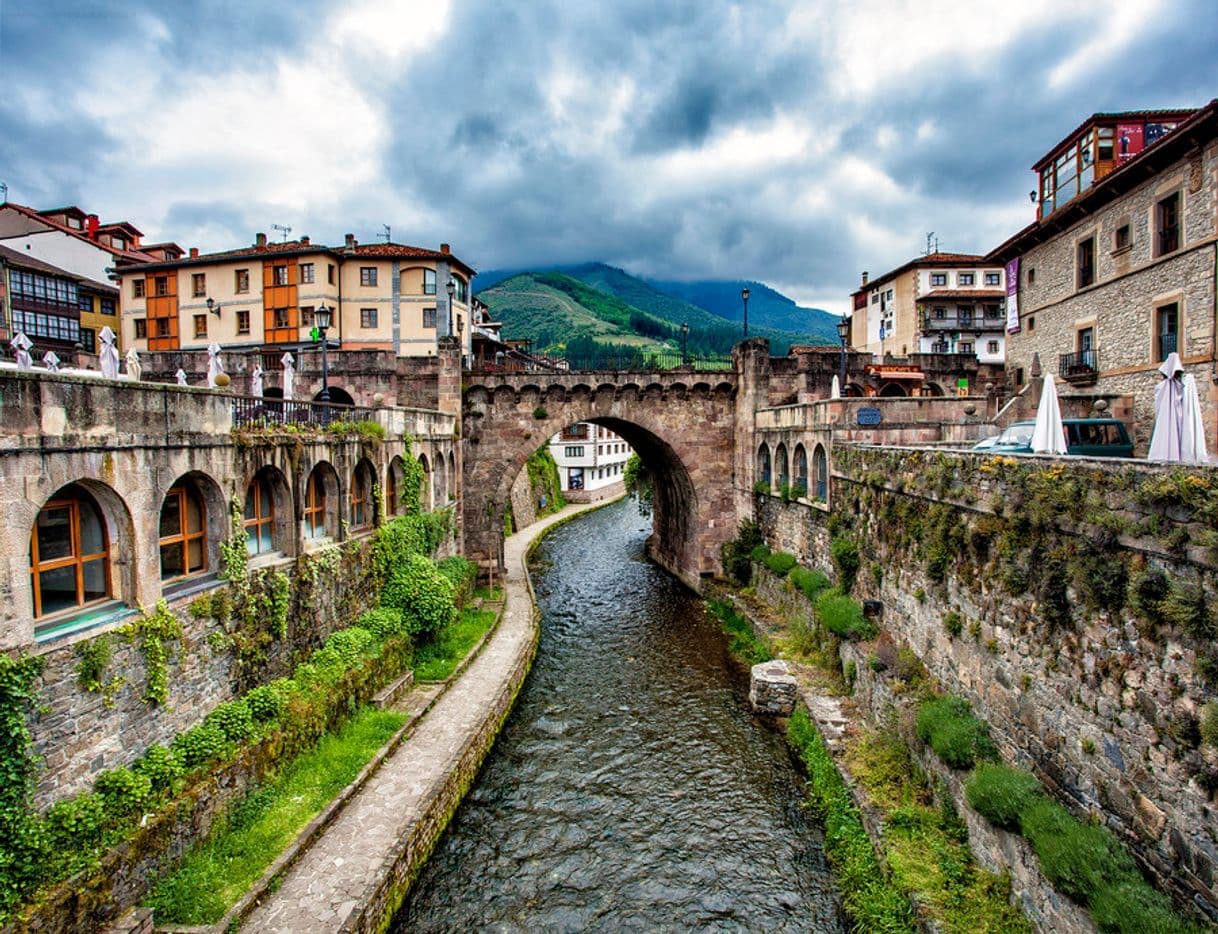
x=489, y=594
x=438, y=659
x=217, y=873
x=745, y=644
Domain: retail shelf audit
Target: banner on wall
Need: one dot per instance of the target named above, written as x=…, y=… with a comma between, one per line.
x=1129, y=141
x=1013, y=296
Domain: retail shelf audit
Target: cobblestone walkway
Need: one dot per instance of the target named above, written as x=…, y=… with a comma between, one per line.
x=321, y=892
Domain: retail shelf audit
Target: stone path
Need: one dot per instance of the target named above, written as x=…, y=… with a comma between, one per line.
x=324, y=889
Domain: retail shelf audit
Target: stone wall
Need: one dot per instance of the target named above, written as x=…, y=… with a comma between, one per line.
x=1009, y=578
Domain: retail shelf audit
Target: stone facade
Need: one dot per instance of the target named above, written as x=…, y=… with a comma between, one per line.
x=1131, y=282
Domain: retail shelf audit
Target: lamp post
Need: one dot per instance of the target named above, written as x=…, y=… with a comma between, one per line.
x=684, y=343
x=213, y=306
x=450, y=288
x=843, y=332
x=461, y=338
x=323, y=319
x=744, y=294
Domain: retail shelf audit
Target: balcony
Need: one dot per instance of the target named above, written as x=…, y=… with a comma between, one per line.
x=1080, y=369
x=993, y=322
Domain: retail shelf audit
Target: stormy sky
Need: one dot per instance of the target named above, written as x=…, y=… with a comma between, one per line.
x=796, y=143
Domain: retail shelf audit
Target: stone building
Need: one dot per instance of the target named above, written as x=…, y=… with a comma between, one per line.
x=382, y=296
x=1118, y=271
x=941, y=303
x=590, y=459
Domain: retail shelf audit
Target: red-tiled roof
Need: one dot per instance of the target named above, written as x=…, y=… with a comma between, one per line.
x=23, y=260
x=390, y=250
x=959, y=294
x=930, y=259
x=1128, y=115
x=131, y=255
x=300, y=248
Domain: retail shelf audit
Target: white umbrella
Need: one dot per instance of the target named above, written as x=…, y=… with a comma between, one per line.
x=134, y=369
x=214, y=366
x=51, y=359
x=289, y=374
x=109, y=355
x=1048, y=437
x=22, y=344
x=180, y=376
x=256, y=382
x=1165, y=439
x=835, y=391
x=1192, y=438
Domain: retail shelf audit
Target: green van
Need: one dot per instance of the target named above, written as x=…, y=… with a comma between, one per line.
x=1085, y=437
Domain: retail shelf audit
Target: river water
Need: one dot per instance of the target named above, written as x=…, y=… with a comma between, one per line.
x=631, y=788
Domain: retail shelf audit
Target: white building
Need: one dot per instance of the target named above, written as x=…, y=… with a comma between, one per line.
x=590, y=458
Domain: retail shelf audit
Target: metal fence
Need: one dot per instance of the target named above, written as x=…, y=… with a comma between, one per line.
x=649, y=361
x=258, y=411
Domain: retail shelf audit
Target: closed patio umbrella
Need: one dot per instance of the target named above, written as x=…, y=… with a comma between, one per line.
x=1048, y=437
x=1166, y=440
x=1193, y=449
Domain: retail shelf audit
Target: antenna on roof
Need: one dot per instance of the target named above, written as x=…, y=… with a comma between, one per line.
x=386, y=234
x=284, y=230
x=3, y=193
x=929, y=235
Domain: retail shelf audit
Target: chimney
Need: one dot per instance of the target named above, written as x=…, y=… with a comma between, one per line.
x=865, y=277
x=304, y=241
x=350, y=247
x=91, y=225
x=260, y=240
x=194, y=252
x=445, y=249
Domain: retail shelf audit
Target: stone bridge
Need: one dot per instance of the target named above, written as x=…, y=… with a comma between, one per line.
x=692, y=429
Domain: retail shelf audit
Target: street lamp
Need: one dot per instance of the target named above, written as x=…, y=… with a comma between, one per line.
x=323, y=318
x=450, y=288
x=213, y=306
x=461, y=337
x=843, y=332
x=685, y=343
x=744, y=294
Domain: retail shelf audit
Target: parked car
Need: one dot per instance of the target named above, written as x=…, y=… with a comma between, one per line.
x=1085, y=437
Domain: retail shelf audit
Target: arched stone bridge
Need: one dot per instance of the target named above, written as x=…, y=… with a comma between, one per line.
x=682, y=423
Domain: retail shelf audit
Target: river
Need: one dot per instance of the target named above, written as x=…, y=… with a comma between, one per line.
x=631, y=788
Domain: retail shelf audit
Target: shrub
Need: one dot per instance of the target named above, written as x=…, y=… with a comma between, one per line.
x=999, y=793
x=351, y=645
x=76, y=822
x=266, y=702
x=1079, y=859
x=1185, y=607
x=810, y=583
x=736, y=554
x=953, y=624
x=1134, y=907
x=1209, y=723
x=422, y=594
x=200, y=745
x=780, y=562
x=382, y=622
x=744, y=641
x=842, y=616
x=846, y=561
x=1147, y=592
x=160, y=766
x=233, y=719
x=462, y=574
x=760, y=553
x=123, y=791
x=948, y=726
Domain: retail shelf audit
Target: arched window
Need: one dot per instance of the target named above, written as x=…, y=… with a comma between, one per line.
x=452, y=476
x=820, y=472
x=183, y=531
x=429, y=282
x=391, y=489
x=363, y=510
x=763, y=464
x=780, y=457
x=259, y=514
x=425, y=487
x=315, y=506
x=801, y=471
x=69, y=553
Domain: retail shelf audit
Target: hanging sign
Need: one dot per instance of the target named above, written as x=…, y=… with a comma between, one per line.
x=1013, y=296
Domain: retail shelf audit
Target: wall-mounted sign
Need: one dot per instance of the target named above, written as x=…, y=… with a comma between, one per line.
x=1013, y=296
x=869, y=416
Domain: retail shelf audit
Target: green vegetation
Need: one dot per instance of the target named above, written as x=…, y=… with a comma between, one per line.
x=216, y=874
x=737, y=554
x=744, y=644
x=842, y=616
x=438, y=659
x=423, y=595
x=846, y=561
x=946, y=723
x=868, y=895
x=637, y=480
x=810, y=583
x=151, y=631
x=780, y=563
x=1000, y=793
x=544, y=483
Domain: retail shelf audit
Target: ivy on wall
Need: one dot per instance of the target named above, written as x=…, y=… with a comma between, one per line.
x=151, y=632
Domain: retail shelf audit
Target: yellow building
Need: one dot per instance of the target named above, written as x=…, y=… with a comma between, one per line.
x=384, y=296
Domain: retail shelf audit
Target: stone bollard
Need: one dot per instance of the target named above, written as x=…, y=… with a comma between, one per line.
x=772, y=689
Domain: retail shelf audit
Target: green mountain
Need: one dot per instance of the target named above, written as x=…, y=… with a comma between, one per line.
x=767, y=307
x=593, y=301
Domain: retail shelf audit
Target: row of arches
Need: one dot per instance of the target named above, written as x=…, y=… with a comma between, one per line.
x=775, y=472
x=507, y=394
x=82, y=547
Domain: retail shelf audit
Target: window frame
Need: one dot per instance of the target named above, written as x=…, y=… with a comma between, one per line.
x=429, y=313
x=138, y=288
x=75, y=559
x=993, y=278
x=367, y=277
x=184, y=537
x=313, y=515
x=241, y=281
x=258, y=520
x=198, y=284
x=200, y=325
x=368, y=318
x=243, y=321
x=307, y=273
x=966, y=278
x=1158, y=355
x=360, y=502
x=1169, y=238
x=429, y=279
x=938, y=279
x=1084, y=262
x=279, y=274
x=141, y=328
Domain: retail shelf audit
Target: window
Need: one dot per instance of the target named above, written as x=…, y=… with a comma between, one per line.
x=576, y=450
x=991, y=347
x=69, y=553
x=108, y=306
x=88, y=340
x=1105, y=148
x=462, y=292
x=1086, y=262
x=279, y=275
x=161, y=285
x=1167, y=224
x=938, y=278
x=940, y=313
x=888, y=297
x=242, y=283
x=1085, y=340
x=162, y=327
x=183, y=537
x=200, y=325
x=992, y=310
x=85, y=304
x=875, y=297
x=306, y=272
x=1167, y=330
x=282, y=318
x=315, y=506
x=367, y=317
x=1018, y=376
x=993, y=278
x=429, y=282
x=429, y=317
x=763, y=464
x=1122, y=240
x=259, y=515
x=361, y=497
x=820, y=473
x=243, y=321
x=141, y=329
x=367, y=275
x=1032, y=323
x=964, y=347
x=801, y=471
x=965, y=278
x=330, y=273
x=1031, y=274
x=198, y=284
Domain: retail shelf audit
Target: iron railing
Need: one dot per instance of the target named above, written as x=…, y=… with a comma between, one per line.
x=259, y=411
x=959, y=322
x=633, y=361
x=1082, y=365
